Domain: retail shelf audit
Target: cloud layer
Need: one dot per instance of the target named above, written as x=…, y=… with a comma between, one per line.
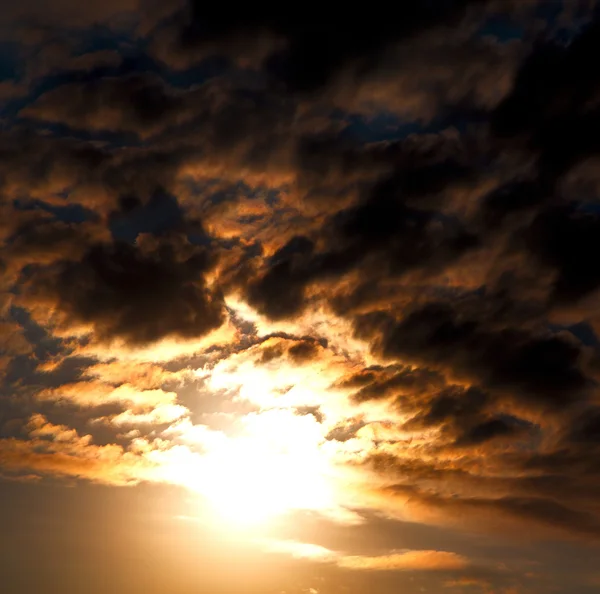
x=368, y=247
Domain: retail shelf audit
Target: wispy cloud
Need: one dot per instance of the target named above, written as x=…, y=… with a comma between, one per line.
x=393, y=561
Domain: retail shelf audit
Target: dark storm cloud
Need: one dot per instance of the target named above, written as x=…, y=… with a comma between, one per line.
x=553, y=107
x=139, y=103
x=394, y=381
x=37, y=165
x=140, y=293
x=300, y=350
x=280, y=292
x=465, y=416
x=545, y=368
x=316, y=46
x=565, y=238
x=384, y=231
x=585, y=429
x=34, y=16
x=303, y=351
x=512, y=199
x=496, y=427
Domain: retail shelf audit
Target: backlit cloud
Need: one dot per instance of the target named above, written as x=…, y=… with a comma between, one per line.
x=333, y=276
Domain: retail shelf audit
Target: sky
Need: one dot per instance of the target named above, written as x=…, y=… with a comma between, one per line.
x=299, y=301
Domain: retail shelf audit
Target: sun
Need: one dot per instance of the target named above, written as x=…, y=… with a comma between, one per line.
x=248, y=483
x=276, y=463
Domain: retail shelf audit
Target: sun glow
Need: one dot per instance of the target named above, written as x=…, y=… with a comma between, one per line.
x=250, y=483
x=275, y=467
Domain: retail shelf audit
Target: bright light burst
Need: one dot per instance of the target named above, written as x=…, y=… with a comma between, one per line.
x=275, y=467
x=250, y=483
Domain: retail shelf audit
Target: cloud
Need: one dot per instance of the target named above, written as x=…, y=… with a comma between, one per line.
x=134, y=103
x=432, y=74
x=551, y=103
x=138, y=293
x=297, y=550
x=144, y=376
x=61, y=451
x=407, y=561
x=311, y=55
x=394, y=561
x=96, y=393
x=159, y=415
x=545, y=368
x=14, y=343
x=65, y=11
x=544, y=515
